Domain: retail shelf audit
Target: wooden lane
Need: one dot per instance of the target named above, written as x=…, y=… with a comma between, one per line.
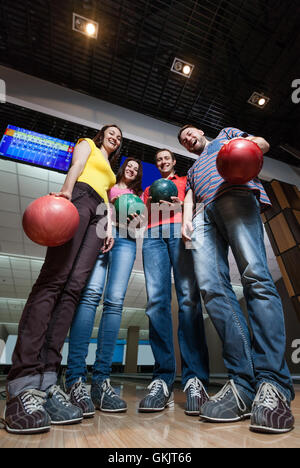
x=168, y=429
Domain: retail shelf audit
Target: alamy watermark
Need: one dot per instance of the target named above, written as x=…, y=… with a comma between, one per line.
x=2, y=92
x=137, y=226
x=296, y=93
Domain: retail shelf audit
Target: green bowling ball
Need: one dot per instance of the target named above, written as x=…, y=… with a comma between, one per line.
x=163, y=189
x=128, y=204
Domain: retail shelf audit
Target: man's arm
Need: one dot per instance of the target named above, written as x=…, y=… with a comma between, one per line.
x=187, y=225
x=261, y=142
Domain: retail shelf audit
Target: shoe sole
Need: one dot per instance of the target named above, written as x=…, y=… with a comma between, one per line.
x=219, y=420
x=269, y=430
x=67, y=422
x=153, y=410
x=37, y=430
x=89, y=415
x=192, y=413
x=123, y=410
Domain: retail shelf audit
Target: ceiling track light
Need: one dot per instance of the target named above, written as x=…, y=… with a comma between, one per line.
x=85, y=26
x=258, y=100
x=181, y=67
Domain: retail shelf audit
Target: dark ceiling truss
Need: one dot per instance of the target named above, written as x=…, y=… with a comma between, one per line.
x=237, y=47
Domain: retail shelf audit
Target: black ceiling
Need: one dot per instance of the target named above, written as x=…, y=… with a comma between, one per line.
x=237, y=47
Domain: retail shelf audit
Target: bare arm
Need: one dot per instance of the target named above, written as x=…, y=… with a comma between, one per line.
x=187, y=225
x=261, y=142
x=80, y=157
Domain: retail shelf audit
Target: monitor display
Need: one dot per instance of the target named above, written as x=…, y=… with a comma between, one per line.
x=26, y=146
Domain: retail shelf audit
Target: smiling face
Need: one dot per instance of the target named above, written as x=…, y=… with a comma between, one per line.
x=193, y=140
x=112, y=139
x=165, y=163
x=131, y=171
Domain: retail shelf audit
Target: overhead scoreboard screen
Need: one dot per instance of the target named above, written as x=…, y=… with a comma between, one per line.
x=21, y=145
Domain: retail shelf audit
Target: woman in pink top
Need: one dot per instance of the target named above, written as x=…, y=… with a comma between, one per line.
x=117, y=266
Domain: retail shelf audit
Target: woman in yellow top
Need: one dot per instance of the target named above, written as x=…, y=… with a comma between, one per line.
x=34, y=400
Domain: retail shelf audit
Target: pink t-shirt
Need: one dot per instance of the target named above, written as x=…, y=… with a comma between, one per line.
x=116, y=191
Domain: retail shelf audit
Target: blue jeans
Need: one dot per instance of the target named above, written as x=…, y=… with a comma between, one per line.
x=161, y=252
x=251, y=358
x=118, y=264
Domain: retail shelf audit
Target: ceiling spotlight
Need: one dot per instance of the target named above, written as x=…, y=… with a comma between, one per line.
x=258, y=100
x=85, y=26
x=90, y=29
x=182, y=68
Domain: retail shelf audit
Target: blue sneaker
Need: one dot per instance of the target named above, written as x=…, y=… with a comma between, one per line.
x=59, y=408
x=80, y=397
x=105, y=398
x=158, y=398
x=228, y=405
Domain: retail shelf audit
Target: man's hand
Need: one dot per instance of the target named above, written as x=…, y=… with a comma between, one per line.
x=186, y=231
x=175, y=201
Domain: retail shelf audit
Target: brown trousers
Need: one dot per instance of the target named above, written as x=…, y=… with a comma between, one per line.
x=52, y=302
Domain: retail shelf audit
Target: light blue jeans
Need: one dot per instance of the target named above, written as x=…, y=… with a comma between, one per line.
x=250, y=357
x=163, y=250
x=117, y=265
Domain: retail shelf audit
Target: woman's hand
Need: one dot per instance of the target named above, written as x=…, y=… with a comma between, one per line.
x=64, y=193
x=108, y=244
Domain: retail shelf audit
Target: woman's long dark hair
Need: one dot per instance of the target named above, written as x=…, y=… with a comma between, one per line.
x=135, y=185
x=99, y=138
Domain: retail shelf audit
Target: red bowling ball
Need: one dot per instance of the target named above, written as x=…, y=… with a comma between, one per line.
x=239, y=161
x=50, y=220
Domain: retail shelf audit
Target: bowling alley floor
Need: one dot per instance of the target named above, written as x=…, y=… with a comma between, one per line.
x=168, y=429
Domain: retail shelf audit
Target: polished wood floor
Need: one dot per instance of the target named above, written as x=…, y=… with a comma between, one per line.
x=168, y=429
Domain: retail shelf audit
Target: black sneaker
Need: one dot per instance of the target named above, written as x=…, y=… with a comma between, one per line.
x=80, y=397
x=196, y=396
x=59, y=408
x=271, y=411
x=158, y=398
x=25, y=414
x=228, y=405
x=106, y=399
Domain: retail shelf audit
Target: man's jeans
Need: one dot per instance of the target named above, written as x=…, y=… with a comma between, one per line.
x=163, y=249
x=251, y=358
x=118, y=264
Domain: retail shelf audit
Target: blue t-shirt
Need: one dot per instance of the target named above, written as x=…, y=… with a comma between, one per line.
x=205, y=181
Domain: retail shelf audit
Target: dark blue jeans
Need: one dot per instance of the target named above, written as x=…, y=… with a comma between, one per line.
x=251, y=358
x=117, y=264
x=163, y=250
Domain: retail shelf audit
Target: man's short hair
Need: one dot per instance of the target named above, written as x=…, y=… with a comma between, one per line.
x=164, y=149
x=183, y=128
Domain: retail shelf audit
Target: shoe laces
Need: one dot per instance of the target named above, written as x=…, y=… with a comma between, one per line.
x=195, y=386
x=230, y=386
x=108, y=389
x=33, y=400
x=80, y=391
x=156, y=386
x=62, y=397
x=268, y=396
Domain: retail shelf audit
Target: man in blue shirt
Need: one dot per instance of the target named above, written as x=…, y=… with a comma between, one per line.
x=226, y=216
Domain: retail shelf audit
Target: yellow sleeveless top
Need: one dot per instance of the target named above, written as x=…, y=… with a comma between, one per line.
x=97, y=172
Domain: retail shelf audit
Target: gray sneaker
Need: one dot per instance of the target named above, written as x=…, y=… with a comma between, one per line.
x=228, y=405
x=80, y=397
x=59, y=408
x=158, y=398
x=106, y=399
x=196, y=396
x=271, y=411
